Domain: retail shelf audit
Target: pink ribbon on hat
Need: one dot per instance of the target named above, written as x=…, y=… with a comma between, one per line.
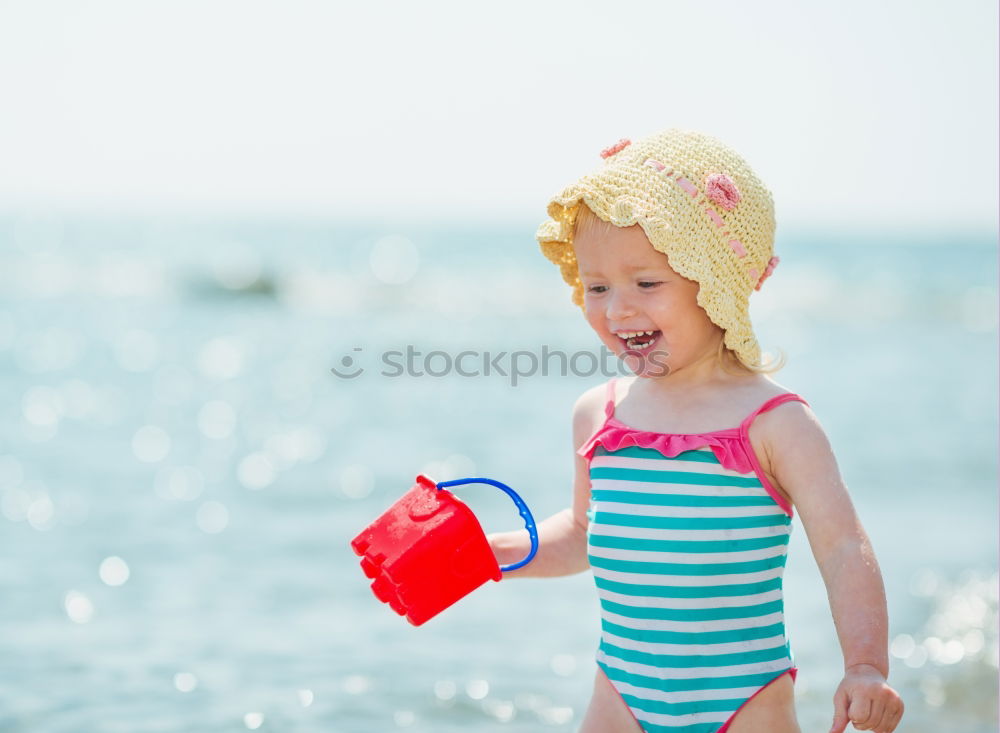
x=771, y=264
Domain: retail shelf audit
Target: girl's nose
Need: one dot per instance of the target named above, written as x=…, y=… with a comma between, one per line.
x=619, y=307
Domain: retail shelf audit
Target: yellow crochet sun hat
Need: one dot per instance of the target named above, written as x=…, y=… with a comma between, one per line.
x=699, y=203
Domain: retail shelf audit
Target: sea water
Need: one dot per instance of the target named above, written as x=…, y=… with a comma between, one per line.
x=181, y=471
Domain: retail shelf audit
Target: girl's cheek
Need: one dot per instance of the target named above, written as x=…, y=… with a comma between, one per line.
x=597, y=323
x=595, y=317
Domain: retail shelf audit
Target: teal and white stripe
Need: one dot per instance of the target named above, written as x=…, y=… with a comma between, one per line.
x=688, y=558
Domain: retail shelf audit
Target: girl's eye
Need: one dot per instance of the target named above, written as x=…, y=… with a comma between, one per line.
x=596, y=289
x=648, y=284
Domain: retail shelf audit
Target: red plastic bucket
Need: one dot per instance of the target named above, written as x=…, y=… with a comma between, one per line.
x=428, y=550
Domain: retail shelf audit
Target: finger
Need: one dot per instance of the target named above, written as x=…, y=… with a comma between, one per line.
x=877, y=715
x=900, y=712
x=839, y=712
x=859, y=712
x=892, y=715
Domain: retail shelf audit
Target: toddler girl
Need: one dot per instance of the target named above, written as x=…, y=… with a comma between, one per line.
x=687, y=473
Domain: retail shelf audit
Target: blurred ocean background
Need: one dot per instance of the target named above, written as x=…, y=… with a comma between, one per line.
x=181, y=472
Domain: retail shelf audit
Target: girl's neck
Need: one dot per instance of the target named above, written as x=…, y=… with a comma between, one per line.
x=704, y=374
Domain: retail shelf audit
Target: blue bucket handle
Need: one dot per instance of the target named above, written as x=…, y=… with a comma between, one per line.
x=529, y=521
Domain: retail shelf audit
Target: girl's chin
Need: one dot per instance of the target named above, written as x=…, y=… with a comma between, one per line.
x=650, y=361
x=653, y=366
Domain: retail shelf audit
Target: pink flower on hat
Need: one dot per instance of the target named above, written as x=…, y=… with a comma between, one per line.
x=771, y=264
x=720, y=188
x=616, y=148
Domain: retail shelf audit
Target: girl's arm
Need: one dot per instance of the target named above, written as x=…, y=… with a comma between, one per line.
x=803, y=463
x=562, y=538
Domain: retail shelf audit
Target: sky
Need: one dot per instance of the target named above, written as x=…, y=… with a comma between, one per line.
x=855, y=113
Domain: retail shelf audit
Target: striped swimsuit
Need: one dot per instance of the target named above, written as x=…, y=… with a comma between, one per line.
x=687, y=541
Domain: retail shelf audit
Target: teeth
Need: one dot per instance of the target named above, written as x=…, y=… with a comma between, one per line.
x=633, y=334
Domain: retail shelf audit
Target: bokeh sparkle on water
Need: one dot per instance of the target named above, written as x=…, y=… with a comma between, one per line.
x=180, y=472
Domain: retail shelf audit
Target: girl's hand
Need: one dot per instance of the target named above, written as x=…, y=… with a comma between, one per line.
x=865, y=699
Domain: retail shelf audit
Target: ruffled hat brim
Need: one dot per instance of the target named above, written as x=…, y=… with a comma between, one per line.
x=678, y=220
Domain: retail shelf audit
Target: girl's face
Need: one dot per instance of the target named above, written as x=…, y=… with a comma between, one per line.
x=629, y=290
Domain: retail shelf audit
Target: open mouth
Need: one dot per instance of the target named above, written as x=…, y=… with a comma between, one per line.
x=638, y=340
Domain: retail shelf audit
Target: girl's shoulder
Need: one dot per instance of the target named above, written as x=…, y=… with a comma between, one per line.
x=781, y=414
x=752, y=393
x=783, y=425
x=588, y=412
x=768, y=389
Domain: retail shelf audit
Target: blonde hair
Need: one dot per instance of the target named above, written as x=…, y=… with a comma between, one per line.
x=726, y=357
x=587, y=221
